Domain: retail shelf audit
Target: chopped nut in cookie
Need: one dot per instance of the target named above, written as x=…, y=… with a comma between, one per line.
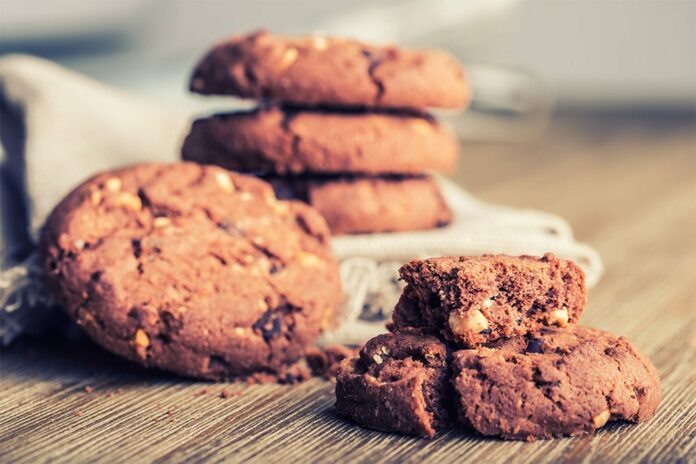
x=160, y=222
x=224, y=182
x=96, y=197
x=129, y=201
x=472, y=321
x=308, y=259
x=245, y=196
x=113, y=184
x=558, y=317
x=141, y=342
x=289, y=57
x=601, y=419
x=422, y=126
x=320, y=43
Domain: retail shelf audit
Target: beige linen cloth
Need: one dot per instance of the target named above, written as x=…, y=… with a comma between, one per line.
x=58, y=128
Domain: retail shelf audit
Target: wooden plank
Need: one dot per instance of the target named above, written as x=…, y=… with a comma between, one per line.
x=628, y=189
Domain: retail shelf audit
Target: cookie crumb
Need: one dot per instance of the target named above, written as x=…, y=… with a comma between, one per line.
x=323, y=362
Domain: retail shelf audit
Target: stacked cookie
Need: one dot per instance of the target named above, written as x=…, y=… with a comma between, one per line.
x=491, y=343
x=341, y=126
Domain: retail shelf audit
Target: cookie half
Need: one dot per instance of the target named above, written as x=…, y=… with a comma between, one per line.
x=357, y=204
x=192, y=269
x=560, y=382
x=281, y=141
x=399, y=383
x=325, y=71
x=478, y=300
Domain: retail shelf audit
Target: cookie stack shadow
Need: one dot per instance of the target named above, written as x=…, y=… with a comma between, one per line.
x=340, y=125
x=491, y=344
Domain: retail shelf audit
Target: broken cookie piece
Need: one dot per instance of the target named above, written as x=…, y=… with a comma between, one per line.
x=399, y=383
x=478, y=300
x=526, y=372
x=559, y=382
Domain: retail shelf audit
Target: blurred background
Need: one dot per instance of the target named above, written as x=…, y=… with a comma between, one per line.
x=568, y=95
x=524, y=57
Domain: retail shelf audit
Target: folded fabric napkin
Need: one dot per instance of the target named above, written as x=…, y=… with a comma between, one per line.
x=59, y=127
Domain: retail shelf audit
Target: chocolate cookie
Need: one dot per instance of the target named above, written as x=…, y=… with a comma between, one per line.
x=559, y=382
x=399, y=383
x=274, y=140
x=323, y=71
x=353, y=205
x=477, y=300
x=192, y=269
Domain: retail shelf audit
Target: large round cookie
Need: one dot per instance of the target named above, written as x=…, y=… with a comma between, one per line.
x=192, y=269
x=399, y=383
x=322, y=71
x=273, y=140
x=353, y=205
x=560, y=382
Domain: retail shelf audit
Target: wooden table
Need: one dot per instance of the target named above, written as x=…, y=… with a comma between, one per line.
x=628, y=187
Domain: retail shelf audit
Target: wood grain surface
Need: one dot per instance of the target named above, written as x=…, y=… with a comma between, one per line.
x=627, y=186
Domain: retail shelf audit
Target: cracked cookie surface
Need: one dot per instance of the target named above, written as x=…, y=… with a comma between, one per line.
x=477, y=300
x=559, y=382
x=281, y=141
x=326, y=71
x=361, y=204
x=192, y=269
x=398, y=383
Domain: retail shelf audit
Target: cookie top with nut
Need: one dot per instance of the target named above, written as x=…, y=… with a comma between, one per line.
x=282, y=141
x=478, y=300
x=192, y=269
x=558, y=382
x=328, y=71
